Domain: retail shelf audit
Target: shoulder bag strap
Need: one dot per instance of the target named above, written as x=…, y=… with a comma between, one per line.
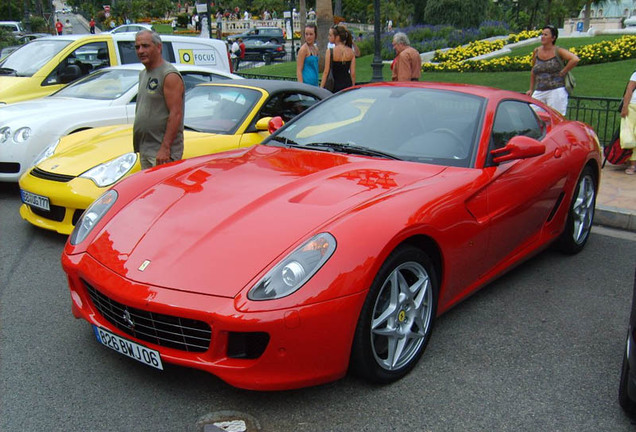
x=556, y=53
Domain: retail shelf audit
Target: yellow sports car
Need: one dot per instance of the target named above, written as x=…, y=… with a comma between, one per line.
x=70, y=174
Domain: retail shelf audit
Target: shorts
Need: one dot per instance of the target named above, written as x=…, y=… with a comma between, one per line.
x=150, y=160
x=556, y=98
x=147, y=160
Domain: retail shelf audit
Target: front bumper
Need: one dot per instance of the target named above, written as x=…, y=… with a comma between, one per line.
x=68, y=200
x=306, y=345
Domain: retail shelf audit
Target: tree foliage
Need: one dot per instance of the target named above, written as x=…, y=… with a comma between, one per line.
x=459, y=13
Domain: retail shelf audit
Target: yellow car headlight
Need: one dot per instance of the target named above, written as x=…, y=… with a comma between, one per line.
x=112, y=171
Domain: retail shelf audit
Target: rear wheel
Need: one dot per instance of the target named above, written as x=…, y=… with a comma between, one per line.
x=397, y=317
x=581, y=214
x=267, y=58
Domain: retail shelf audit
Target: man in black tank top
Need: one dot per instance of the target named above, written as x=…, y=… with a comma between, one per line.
x=158, y=127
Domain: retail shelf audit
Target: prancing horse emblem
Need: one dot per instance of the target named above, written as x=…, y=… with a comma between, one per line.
x=128, y=319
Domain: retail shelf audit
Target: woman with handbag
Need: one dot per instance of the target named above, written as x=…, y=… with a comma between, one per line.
x=550, y=75
x=340, y=61
x=628, y=123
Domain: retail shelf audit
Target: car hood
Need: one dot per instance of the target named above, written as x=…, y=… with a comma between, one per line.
x=218, y=223
x=10, y=86
x=47, y=109
x=80, y=155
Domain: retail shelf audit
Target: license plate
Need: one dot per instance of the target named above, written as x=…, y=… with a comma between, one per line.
x=128, y=348
x=34, y=200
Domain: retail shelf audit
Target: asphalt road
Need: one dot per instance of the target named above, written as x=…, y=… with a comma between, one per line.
x=538, y=350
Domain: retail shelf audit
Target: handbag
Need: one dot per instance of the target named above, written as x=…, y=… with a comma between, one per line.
x=330, y=83
x=569, y=80
x=628, y=140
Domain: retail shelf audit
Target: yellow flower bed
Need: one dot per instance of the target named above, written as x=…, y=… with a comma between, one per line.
x=473, y=49
x=602, y=52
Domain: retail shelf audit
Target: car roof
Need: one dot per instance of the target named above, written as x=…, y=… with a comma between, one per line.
x=477, y=90
x=272, y=86
x=181, y=67
x=126, y=36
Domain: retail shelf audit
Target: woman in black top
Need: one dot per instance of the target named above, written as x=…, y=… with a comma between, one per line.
x=344, y=59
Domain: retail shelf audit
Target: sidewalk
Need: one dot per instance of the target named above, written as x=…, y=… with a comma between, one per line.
x=616, y=200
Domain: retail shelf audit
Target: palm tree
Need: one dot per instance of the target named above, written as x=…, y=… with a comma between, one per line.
x=337, y=9
x=302, y=12
x=324, y=20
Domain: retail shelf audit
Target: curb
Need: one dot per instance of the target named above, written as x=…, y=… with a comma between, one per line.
x=613, y=217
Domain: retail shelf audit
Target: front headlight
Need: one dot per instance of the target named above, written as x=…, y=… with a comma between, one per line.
x=22, y=135
x=93, y=214
x=46, y=153
x=5, y=133
x=295, y=270
x=112, y=171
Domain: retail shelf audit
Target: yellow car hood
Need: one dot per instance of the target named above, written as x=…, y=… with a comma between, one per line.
x=11, y=87
x=77, y=153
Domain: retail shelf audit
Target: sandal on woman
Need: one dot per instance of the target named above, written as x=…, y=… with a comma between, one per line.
x=631, y=170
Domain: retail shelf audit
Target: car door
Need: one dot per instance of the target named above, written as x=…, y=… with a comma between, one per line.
x=521, y=194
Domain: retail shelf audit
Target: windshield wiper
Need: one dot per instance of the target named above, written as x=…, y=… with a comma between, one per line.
x=351, y=149
x=8, y=71
x=186, y=127
x=284, y=140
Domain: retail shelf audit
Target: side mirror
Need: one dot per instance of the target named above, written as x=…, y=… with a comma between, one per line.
x=270, y=124
x=519, y=147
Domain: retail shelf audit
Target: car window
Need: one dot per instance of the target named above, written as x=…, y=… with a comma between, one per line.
x=191, y=79
x=218, y=109
x=515, y=118
x=31, y=57
x=420, y=125
x=128, y=55
x=287, y=105
x=103, y=85
x=82, y=61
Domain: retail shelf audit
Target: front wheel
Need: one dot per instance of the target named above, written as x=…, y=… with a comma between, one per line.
x=267, y=58
x=581, y=215
x=397, y=317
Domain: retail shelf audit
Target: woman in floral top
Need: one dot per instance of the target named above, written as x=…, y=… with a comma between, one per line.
x=550, y=64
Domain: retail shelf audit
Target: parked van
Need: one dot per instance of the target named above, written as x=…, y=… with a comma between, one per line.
x=45, y=65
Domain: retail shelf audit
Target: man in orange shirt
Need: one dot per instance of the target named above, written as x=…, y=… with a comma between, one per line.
x=59, y=27
x=407, y=65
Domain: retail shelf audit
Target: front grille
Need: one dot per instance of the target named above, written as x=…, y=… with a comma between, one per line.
x=9, y=167
x=77, y=214
x=164, y=330
x=47, y=175
x=55, y=214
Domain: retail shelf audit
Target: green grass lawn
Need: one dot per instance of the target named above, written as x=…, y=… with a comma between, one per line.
x=600, y=80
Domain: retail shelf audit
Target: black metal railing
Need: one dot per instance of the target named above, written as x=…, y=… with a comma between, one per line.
x=600, y=113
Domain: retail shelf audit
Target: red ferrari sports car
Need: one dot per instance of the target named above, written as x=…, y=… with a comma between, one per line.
x=334, y=244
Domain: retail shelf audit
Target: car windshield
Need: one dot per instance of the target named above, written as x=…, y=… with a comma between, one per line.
x=106, y=84
x=406, y=123
x=31, y=57
x=218, y=109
